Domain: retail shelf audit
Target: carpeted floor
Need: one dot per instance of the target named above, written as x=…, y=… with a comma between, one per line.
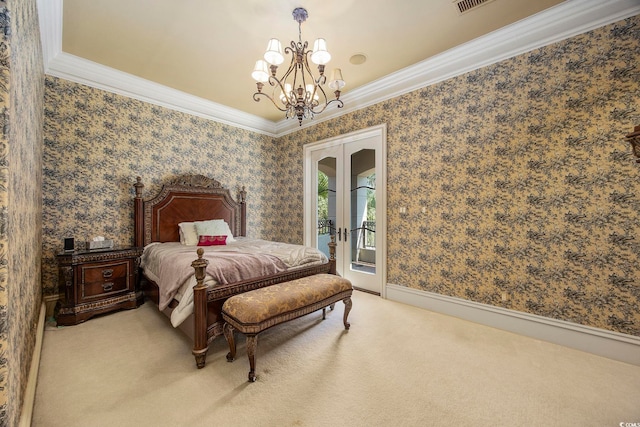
x=397, y=366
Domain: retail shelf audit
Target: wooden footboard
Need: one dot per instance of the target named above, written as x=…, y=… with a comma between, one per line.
x=207, y=303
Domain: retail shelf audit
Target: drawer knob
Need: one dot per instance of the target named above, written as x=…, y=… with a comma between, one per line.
x=107, y=273
x=107, y=286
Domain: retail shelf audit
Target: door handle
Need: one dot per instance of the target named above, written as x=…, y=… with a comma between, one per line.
x=345, y=235
x=339, y=234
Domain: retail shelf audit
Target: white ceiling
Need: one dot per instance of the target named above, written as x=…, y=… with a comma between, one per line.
x=198, y=54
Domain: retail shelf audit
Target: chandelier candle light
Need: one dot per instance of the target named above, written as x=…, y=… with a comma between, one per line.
x=298, y=93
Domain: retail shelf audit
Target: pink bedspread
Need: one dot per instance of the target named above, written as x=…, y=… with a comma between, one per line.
x=224, y=267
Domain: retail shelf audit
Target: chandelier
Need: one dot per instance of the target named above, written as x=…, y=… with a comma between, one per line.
x=297, y=92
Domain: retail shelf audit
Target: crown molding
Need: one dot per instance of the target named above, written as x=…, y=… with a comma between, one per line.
x=568, y=19
x=50, y=20
x=73, y=68
x=89, y=73
x=560, y=22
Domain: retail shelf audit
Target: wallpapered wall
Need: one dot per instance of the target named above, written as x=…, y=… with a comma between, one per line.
x=21, y=101
x=97, y=143
x=530, y=187
x=5, y=51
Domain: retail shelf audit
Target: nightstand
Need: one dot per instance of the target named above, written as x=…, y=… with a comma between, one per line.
x=96, y=282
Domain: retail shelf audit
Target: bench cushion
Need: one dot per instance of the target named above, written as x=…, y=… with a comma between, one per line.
x=254, y=311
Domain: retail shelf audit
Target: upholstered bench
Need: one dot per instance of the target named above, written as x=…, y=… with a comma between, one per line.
x=252, y=312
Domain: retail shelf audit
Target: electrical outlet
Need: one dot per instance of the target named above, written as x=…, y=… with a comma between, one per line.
x=505, y=296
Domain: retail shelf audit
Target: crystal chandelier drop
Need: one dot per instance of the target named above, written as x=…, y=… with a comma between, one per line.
x=297, y=92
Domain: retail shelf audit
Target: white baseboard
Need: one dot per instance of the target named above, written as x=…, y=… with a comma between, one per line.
x=613, y=345
x=30, y=393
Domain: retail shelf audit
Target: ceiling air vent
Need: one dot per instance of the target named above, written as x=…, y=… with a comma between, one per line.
x=467, y=5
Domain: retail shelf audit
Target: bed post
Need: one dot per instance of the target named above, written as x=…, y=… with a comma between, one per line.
x=200, y=344
x=138, y=214
x=243, y=211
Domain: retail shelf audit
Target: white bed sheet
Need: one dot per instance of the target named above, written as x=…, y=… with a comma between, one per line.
x=293, y=256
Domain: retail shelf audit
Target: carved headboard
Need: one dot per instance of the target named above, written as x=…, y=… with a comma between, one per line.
x=186, y=198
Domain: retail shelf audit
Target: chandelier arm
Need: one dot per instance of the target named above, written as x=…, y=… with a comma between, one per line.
x=282, y=81
x=276, y=83
x=304, y=80
x=324, y=107
x=307, y=67
x=325, y=100
x=318, y=89
x=257, y=99
x=321, y=80
x=291, y=50
x=289, y=70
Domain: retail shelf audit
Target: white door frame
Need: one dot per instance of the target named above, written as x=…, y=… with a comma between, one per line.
x=381, y=182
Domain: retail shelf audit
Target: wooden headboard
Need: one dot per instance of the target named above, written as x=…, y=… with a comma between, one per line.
x=185, y=199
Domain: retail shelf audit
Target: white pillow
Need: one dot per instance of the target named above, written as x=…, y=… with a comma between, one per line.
x=188, y=234
x=214, y=227
x=227, y=231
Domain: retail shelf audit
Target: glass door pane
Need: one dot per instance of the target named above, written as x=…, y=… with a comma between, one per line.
x=362, y=246
x=326, y=202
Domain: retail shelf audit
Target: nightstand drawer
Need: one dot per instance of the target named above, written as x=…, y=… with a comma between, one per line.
x=104, y=272
x=101, y=289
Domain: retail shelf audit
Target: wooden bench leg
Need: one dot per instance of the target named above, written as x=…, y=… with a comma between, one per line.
x=252, y=344
x=347, y=309
x=227, y=329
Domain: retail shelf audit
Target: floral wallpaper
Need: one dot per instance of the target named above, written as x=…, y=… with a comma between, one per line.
x=4, y=204
x=97, y=143
x=530, y=188
x=21, y=102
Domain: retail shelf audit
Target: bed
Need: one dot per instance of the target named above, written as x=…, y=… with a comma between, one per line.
x=199, y=199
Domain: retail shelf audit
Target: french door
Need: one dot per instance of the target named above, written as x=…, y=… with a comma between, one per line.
x=345, y=182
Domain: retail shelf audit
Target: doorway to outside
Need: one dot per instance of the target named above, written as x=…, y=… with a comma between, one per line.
x=345, y=182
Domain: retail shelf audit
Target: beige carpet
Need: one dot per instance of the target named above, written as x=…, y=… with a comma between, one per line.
x=397, y=366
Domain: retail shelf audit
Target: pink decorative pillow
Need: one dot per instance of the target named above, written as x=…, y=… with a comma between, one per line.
x=212, y=240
